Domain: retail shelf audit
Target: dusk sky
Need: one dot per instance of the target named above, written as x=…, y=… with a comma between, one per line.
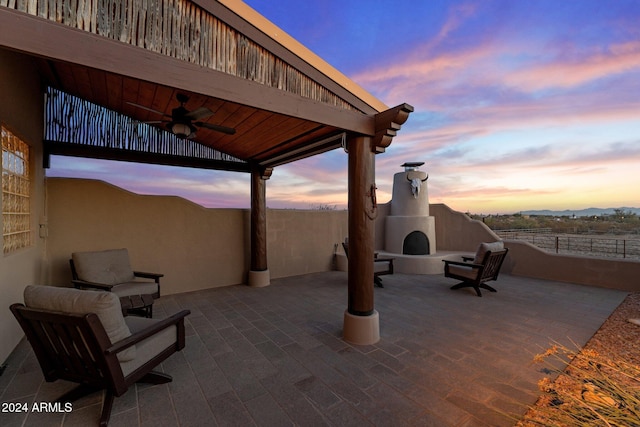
x=518, y=105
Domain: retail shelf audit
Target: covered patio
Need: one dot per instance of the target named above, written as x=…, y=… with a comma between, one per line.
x=274, y=356
x=222, y=86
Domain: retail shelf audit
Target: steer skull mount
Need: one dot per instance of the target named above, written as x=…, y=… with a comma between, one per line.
x=416, y=183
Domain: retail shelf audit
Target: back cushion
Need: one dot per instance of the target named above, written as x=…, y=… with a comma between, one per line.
x=106, y=305
x=109, y=267
x=484, y=248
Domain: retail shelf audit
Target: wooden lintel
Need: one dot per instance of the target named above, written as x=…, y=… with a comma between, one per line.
x=307, y=150
x=77, y=150
x=387, y=123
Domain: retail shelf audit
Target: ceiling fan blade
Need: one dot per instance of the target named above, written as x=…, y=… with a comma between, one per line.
x=148, y=122
x=148, y=109
x=199, y=113
x=218, y=128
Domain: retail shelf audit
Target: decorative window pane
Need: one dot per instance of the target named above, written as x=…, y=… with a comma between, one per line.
x=16, y=189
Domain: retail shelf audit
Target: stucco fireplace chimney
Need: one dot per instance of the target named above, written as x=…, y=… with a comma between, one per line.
x=409, y=230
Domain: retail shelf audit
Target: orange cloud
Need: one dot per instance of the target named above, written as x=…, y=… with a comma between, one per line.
x=619, y=58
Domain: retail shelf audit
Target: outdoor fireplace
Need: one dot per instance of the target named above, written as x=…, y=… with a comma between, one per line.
x=409, y=230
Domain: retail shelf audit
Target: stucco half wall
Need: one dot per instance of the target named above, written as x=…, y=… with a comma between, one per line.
x=194, y=247
x=527, y=260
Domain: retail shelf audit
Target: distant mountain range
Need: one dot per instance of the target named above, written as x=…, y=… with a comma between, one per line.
x=580, y=212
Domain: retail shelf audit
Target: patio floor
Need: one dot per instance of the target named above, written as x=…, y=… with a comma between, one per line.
x=274, y=357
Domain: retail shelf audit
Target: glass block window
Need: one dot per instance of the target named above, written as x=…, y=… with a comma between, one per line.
x=16, y=189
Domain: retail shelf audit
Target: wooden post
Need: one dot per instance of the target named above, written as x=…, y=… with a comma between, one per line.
x=259, y=270
x=361, y=324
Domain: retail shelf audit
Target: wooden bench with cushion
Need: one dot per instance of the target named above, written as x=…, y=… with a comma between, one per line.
x=475, y=272
x=110, y=270
x=82, y=337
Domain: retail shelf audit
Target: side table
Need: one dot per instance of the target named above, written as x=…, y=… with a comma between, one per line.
x=139, y=305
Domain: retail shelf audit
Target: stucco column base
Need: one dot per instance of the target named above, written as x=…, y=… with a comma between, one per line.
x=361, y=330
x=259, y=279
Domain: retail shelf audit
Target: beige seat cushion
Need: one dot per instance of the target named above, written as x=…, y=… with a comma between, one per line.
x=486, y=247
x=136, y=287
x=108, y=267
x=381, y=266
x=150, y=347
x=105, y=305
x=464, y=272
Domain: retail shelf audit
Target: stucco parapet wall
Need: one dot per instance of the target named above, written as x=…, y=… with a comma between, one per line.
x=527, y=260
x=195, y=247
x=457, y=232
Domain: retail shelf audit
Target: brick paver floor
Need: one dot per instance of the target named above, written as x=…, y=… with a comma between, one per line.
x=274, y=356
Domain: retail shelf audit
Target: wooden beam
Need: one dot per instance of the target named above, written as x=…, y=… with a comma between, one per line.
x=77, y=150
x=257, y=28
x=48, y=39
x=312, y=148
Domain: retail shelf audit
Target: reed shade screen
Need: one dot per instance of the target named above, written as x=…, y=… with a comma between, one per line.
x=16, y=189
x=74, y=120
x=182, y=30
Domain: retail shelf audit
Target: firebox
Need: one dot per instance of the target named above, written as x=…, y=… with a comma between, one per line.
x=416, y=243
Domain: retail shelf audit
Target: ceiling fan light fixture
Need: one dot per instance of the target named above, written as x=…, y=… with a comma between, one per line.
x=181, y=130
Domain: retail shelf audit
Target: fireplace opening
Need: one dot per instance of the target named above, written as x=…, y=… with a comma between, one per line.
x=416, y=243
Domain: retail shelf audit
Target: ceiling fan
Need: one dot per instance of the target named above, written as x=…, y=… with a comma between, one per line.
x=185, y=123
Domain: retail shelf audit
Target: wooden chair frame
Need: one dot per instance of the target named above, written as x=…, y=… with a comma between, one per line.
x=83, y=284
x=376, y=274
x=479, y=274
x=76, y=348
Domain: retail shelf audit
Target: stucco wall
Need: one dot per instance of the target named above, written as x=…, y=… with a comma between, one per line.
x=455, y=231
x=194, y=247
x=529, y=261
x=21, y=107
x=301, y=242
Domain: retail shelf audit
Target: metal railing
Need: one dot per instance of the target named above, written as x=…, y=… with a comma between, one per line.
x=610, y=247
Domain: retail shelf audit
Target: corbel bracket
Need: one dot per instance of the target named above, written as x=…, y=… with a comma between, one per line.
x=263, y=172
x=387, y=124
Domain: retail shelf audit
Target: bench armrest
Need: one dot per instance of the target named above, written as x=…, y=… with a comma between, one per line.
x=154, y=276
x=176, y=319
x=77, y=283
x=465, y=264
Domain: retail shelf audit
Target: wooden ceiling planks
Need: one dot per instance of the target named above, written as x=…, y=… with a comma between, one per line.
x=306, y=133
x=130, y=92
x=115, y=89
x=260, y=134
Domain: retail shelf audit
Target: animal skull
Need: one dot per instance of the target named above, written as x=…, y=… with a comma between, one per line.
x=416, y=183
